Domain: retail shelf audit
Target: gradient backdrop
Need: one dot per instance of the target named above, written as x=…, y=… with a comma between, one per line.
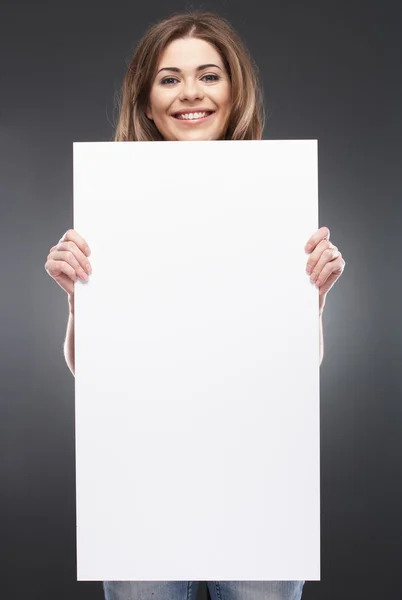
x=332, y=71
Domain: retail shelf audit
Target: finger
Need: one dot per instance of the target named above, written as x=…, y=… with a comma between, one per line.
x=336, y=266
x=63, y=273
x=70, y=252
x=67, y=256
x=57, y=267
x=73, y=236
x=328, y=255
x=316, y=255
x=330, y=274
x=321, y=234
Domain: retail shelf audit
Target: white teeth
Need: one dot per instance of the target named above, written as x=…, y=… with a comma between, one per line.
x=192, y=115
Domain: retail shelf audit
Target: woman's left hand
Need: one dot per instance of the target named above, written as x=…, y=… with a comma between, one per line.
x=325, y=264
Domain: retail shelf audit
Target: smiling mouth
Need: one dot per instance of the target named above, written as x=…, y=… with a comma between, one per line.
x=196, y=116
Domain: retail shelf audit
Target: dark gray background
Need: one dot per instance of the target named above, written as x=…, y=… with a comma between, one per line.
x=332, y=71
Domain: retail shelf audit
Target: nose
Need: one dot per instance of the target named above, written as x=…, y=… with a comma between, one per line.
x=191, y=90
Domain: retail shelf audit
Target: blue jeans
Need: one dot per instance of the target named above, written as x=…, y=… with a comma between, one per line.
x=187, y=590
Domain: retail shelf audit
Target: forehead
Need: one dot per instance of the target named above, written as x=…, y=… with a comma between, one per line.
x=188, y=53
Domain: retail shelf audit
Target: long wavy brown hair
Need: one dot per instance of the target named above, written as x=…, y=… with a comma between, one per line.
x=246, y=120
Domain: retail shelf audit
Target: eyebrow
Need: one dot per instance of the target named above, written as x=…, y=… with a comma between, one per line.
x=200, y=68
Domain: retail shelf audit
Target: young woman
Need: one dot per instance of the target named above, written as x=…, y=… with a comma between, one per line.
x=191, y=78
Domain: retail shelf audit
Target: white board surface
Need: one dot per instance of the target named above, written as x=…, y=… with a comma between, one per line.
x=197, y=362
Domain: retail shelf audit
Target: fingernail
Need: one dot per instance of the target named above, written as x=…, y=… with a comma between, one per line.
x=87, y=250
x=308, y=247
x=88, y=268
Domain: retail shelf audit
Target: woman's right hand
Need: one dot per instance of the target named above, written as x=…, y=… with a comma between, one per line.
x=67, y=260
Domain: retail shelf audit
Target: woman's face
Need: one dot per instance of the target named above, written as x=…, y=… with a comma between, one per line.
x=191, y=80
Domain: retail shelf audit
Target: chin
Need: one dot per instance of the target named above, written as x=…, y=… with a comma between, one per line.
x=198, y=133
x=198, y=136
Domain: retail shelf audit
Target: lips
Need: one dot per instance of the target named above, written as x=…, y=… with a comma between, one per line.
x=181, y=115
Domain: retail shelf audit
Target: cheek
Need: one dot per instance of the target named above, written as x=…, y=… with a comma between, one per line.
x=160, y=103
x=229, y=96
x=224, y=98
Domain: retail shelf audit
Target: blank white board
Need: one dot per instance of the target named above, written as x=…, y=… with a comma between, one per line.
x=197, y=362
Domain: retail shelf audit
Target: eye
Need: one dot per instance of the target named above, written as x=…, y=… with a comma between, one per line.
x=213, y=75
x=168, y=80
x=208, y=78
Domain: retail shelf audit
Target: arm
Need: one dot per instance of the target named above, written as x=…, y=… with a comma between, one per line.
x=321, y=340
x=69, y=341
x=325, y=266
x=65, y=273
